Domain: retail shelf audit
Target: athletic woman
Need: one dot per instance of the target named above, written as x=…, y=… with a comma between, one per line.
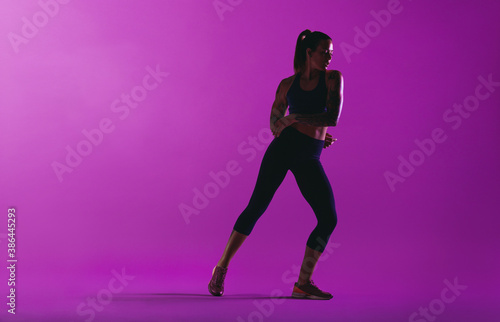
x=314, y=97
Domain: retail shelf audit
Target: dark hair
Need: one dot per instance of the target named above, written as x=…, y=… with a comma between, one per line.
x=307, y=39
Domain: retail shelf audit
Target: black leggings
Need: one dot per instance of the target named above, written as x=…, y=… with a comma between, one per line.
x=299, y=153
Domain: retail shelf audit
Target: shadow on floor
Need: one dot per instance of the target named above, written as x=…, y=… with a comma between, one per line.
x=186, y=296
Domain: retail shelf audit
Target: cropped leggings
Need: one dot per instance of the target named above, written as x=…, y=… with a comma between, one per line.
x=299, y=153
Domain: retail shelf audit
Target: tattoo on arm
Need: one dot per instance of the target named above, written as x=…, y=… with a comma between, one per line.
x=279, y=107
x=333, y=105
x=278, y=90
x=277, y=112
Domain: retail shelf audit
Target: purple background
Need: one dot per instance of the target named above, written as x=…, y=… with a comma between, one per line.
x=119, y=207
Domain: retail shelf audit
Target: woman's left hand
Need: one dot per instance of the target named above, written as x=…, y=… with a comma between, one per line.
x=329, y=140
x=282, y=123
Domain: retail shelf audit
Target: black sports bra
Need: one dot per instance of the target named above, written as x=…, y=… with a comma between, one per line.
x=307, y=102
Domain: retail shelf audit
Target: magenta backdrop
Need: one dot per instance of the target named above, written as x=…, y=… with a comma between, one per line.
x=131, y=134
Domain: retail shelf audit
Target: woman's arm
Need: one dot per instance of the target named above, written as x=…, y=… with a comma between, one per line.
x=334, y=102
x=279, y=106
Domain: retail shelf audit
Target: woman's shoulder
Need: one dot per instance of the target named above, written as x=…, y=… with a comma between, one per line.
x=333, y=73
x=333, y=78
x=288, y=80
x=286, y=83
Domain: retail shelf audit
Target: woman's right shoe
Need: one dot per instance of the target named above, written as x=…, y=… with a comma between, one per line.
x=216, y=285
x=309, y=291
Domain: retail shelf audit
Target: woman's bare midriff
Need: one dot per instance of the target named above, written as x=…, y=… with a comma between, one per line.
x=316, y=132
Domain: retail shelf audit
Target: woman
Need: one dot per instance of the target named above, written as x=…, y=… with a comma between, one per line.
x=314, y=95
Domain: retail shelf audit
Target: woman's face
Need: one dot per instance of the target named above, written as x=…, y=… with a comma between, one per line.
x=321, y=57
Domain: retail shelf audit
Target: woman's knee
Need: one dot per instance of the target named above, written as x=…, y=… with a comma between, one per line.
x=244, y=225
x=328, y=223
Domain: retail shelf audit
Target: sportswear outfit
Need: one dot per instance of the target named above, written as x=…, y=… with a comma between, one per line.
x=300, y=154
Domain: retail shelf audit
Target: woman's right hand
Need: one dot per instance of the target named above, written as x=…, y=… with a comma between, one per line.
x=329, y=140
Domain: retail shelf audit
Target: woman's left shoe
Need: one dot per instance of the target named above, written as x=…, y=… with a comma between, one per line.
x=309, y=291
x=216, y=285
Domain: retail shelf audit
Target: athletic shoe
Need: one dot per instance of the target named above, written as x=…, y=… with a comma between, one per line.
x=309, y=291
x=216, y=285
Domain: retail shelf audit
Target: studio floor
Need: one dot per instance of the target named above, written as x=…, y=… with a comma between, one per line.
x=240, y=306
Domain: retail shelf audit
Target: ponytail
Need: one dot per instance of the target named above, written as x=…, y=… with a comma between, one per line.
x=307, y=39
